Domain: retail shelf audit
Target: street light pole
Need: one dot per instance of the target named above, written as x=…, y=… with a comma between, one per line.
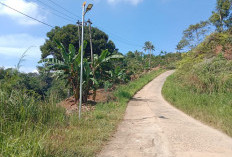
x=82, y=43
x=89, y=7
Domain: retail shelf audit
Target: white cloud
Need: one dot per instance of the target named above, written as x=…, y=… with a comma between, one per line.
x=13, y=46
x=23, y=68
x=29, y=8
x=28, y=69
x=133, y=2
x=16, y=44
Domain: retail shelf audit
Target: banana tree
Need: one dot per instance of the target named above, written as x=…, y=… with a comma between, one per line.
x=96, y=64
x=68, y=67
x=87, y=79
x=117, y=75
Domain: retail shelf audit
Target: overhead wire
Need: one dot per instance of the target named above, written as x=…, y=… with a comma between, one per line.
x=114, y=35
x=44, y=4
x=52, y=12
x=27, y=15
x=64, y=9
x=124, y=40
x=119, y=38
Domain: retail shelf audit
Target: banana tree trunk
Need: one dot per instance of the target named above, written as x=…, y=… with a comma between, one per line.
x=76, y=94
x=94, y=87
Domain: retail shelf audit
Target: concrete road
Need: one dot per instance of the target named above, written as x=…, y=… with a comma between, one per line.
x=153, y=128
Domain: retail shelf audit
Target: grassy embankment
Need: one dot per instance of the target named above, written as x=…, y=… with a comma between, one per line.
x=213, y=109
x=202, y=84
x=33, y=128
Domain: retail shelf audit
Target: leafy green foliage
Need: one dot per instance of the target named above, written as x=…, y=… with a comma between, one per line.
x=205, y=73
x=38, y=83
x=117, y=75
x=149, y=46
x=98, y=64
x=24, y=117
x=30, y=126
x=214, y=109
x=69, y=35
x=205, y=69
x=137, y=63
x=68, y=67
x=221, y=18
x=87, y=136
x=193, y=35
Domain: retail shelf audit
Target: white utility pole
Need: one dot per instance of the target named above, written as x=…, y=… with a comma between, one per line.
x=82, y=44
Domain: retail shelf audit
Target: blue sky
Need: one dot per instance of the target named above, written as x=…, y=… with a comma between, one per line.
x=129, y=23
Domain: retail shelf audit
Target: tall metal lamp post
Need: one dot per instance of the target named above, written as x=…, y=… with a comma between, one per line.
x=84, y=11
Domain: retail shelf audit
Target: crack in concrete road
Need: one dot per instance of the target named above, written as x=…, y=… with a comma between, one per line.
x=153, y=128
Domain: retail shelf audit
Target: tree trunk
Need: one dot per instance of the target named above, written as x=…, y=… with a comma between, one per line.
x=85, y=96
x=94, y=94
x=76, y=94
x=150, y=60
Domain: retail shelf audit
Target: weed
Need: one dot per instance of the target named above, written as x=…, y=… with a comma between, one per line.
x=215, y=108
x=33, y=127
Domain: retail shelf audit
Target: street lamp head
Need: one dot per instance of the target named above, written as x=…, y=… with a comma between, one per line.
x=89, y=7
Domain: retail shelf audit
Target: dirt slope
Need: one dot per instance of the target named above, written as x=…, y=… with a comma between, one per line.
x=153, y=128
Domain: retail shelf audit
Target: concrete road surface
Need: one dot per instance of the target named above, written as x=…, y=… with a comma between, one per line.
x=153, y=128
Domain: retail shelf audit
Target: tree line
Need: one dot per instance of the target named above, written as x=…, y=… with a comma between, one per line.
x=220, y=20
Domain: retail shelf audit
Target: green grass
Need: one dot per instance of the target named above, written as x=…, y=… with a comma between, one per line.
x=214, y=109
x=30, y=127
x=88, y=136
x=25, y=121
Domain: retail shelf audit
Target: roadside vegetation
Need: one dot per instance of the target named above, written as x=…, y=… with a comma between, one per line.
x=32, y=123
x=31, y=127
x=87, y=136
x=202, y=84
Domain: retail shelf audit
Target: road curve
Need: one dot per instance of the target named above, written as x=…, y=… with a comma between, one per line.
x=153, y=128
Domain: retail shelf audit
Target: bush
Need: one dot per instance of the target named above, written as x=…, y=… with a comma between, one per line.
x=25, y=118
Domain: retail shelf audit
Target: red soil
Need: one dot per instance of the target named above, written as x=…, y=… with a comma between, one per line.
x=70, y=105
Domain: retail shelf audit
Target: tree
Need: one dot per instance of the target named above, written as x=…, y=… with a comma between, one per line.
x=98, y=61
x=193, y=35
x=69, y=35
x=149, y=46
x=68, y=66
x=163, y=53
x=221, y=18
x=130, y=54
x=182, y=44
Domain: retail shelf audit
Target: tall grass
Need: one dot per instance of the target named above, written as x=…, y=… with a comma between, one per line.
x=214, y=109
x=202, y=85
x=25, y=120
x=31, y=127
x=87, y=136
